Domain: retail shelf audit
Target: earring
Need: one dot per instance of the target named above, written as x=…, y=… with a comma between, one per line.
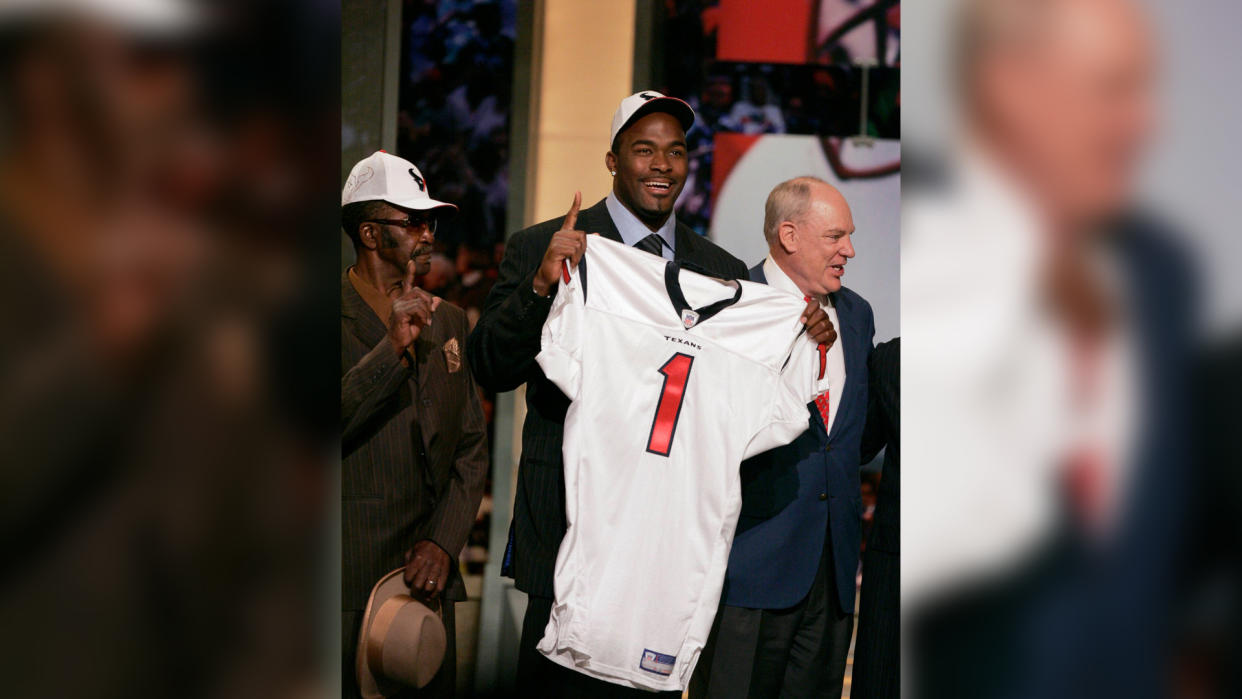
x=614, y=173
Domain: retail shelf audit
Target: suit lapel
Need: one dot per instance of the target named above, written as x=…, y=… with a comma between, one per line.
x=687, y=244
x=848, y=334
x=597, y=220
x=425, y=349
x=362, y=321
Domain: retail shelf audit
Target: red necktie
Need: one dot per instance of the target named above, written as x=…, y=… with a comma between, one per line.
x=821, y=401
x=1084, y=476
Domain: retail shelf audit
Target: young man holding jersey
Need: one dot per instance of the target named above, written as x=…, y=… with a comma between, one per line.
x=647, y=160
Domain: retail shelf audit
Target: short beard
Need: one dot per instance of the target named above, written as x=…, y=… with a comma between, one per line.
x=650, y=217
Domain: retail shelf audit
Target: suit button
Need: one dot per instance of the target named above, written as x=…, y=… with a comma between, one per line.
x=828, y=448
x=823, y=496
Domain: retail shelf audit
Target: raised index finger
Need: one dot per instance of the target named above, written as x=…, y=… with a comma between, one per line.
x=408, y=282
x=571, y=218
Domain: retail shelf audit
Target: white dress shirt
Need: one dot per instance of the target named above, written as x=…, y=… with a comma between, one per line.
x=835, y=372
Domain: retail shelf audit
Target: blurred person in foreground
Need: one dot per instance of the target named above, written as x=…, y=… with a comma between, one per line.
x=1048, y=328
x=647, y=159
x=787, y=610
x=877, y=652
x=161, y=498
x=413, y=440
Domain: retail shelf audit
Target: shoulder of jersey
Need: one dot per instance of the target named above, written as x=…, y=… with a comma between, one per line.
x=754, y=292
x=762, y=325
x=601, y=245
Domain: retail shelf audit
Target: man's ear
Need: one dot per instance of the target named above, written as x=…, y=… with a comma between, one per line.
x=368, y=234
x=787, y=234
x=610, y=161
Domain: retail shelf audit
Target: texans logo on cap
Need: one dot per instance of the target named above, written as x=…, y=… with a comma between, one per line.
x=640, y=104
x=382, y=177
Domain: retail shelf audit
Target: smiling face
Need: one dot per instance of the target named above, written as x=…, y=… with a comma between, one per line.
x=817, y=243
x=650, y=162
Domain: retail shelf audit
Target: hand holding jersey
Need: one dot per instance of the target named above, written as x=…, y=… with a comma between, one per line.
x=685, y=393
x=567, y=244
x=818, y=325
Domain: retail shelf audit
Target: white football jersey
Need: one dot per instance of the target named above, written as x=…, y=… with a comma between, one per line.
x=674, y=378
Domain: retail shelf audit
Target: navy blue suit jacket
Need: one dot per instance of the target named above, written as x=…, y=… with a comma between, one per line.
x=795, y=496
x=1116, y=604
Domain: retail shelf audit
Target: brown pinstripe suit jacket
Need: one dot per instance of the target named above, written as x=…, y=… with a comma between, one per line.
x=388, y=501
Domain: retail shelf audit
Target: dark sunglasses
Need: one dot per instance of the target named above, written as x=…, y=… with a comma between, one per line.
x=416, y=225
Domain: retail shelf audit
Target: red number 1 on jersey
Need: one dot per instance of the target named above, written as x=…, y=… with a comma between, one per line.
x=676, y=372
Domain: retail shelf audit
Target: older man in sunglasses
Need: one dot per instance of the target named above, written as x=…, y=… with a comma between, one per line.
x=413, y=443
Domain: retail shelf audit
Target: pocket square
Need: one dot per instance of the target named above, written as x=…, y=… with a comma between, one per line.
x=452, y=355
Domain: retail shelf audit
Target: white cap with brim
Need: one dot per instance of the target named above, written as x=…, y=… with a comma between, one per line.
x=385, y=177
x=640, y=104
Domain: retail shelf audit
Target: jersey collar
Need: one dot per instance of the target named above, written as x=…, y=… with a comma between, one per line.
x=691, y=317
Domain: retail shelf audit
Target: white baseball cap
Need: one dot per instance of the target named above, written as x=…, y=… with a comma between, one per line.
x=640, y=104
x=385, y=177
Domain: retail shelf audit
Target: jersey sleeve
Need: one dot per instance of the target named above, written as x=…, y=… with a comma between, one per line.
x=560, y=353
x=787, y=415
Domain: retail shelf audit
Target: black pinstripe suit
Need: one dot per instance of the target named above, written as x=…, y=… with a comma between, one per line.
x=502, y=352
x=877, y=653
x=414, y=451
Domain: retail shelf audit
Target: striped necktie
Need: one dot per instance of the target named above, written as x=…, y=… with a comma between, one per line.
x=653, y=244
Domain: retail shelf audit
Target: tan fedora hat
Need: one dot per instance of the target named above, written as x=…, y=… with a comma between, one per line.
x=402, y=642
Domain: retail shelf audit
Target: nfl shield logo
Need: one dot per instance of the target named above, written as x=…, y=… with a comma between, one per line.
x=689, y=318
